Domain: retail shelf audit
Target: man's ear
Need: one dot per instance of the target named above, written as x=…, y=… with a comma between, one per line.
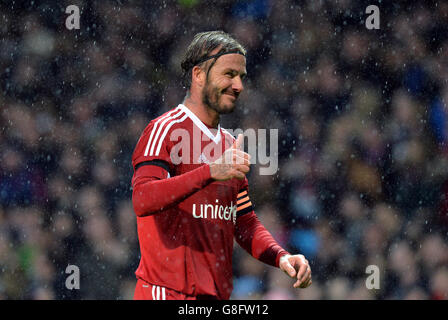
x=198, y=76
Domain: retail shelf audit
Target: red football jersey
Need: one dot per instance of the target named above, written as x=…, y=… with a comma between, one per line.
x=188, y=247
x=186, y=243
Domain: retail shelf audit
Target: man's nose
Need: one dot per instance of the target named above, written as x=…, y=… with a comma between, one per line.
x=237, y=84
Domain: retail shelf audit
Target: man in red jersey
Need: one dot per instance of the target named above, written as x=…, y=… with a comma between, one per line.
x=190, y=192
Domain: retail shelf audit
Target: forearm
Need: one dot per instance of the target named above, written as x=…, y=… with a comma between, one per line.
x=151, y=194
x=257, y=241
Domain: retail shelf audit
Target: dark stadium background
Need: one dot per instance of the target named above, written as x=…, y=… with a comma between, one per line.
x=362, y=118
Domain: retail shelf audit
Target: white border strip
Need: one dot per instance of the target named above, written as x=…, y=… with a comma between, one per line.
x=155, y=128
x=165, y=132
x=156, y=138
x=201, y=125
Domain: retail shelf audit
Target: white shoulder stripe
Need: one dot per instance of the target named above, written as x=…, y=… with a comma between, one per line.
x=165, y=124
x=166, y=131
x=154, y=129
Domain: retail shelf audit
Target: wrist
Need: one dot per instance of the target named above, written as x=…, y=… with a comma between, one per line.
x=212, y=170
x=281, y=256
x=208, y=172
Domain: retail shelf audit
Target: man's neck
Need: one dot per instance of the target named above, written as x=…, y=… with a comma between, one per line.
x=207, y=115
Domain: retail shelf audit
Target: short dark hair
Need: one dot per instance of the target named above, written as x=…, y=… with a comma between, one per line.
x=202, y=45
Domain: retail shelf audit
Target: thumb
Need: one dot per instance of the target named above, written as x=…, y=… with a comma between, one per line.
x=238, y=142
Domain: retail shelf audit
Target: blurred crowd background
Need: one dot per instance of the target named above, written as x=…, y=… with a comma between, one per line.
x=363, y=128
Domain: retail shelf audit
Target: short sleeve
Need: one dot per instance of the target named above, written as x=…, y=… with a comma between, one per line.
x=153, y=145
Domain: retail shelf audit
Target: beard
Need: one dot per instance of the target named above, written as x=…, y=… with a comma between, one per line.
x=212, y=96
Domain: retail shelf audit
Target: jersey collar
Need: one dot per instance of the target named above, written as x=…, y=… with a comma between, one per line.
x=201, y=125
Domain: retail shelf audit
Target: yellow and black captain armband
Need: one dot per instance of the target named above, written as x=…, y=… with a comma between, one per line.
x=243, y=203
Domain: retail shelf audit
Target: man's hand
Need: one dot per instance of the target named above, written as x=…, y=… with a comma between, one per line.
x=296, y=266
x=234, y=163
